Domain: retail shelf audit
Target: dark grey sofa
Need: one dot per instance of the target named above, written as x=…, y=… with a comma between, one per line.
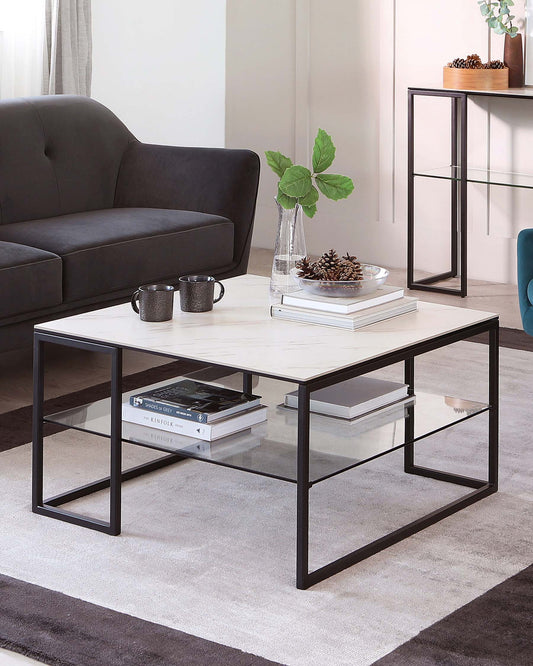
x=88, y=213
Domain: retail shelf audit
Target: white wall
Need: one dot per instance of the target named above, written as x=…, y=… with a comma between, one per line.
x=295, y=65
x=160, y=66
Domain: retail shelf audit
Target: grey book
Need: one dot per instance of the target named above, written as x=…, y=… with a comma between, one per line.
x=352, y=398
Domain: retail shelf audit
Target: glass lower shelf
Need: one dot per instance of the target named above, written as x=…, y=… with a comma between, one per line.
x=270, y=447
x=483, y=176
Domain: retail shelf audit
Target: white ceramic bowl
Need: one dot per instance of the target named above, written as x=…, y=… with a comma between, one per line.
x=373, y=277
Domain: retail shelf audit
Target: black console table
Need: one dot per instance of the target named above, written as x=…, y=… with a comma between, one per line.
x=459, y=174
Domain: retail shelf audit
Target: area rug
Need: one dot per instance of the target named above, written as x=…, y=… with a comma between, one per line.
x=63, y=631
x=494, y=629
x=209, y=552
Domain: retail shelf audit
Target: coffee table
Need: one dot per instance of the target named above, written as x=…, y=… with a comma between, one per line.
x=239, y=336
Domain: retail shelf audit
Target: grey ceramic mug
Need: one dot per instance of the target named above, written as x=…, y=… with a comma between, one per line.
x=197, y=293
x=155, y=302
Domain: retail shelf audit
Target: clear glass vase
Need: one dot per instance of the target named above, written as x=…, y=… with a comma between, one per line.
x=289, y=248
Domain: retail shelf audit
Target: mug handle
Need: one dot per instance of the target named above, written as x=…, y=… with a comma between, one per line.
x=134, y=298
x=222, y=292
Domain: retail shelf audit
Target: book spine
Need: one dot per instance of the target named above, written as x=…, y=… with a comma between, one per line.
x=140, y=402
x=338, y=308
x=164, y=422
x=313, y=305
x=167, y=441
x=337, y=321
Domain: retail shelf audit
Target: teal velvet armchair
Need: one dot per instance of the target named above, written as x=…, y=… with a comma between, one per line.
x=525, y=278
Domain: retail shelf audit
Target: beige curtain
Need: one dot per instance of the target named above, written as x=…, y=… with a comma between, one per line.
x=68, y=48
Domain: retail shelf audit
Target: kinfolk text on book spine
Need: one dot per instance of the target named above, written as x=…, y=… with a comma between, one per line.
x=165, y=422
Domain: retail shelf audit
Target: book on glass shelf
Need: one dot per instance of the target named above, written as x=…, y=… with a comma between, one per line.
x=220, y=449
x=194, y=401
x=205, y=431
x=352, y=398
x=362, y=437
x=351, y=321
x=304, y=299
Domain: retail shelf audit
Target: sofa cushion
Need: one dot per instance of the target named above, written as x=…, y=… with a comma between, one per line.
x=108, y=250
x=30, y=279
x=60, y=154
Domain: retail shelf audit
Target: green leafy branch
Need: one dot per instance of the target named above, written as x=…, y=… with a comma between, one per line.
x=296, y=182
x=498, y=16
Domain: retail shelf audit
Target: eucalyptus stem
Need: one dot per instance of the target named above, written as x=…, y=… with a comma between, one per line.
x=497, y=15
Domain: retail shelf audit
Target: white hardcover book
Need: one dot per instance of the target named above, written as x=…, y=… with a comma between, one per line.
x=168, y=441
x=352, y=321
x=304, y=299
x=352, y=398
x=205, y=431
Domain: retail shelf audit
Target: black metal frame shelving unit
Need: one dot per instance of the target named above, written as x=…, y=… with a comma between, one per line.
x=459, y=176
x=480, y=488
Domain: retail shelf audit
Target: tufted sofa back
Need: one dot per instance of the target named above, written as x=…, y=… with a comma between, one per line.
x=59, y=154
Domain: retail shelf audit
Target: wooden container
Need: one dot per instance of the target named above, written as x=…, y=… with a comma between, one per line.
x=475, y=79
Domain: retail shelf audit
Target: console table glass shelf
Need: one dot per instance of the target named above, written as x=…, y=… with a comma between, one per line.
x=480, y=176
x=269, y=449
x=460, y=174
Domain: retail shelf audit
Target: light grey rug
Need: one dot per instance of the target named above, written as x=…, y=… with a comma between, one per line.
x=211, y=551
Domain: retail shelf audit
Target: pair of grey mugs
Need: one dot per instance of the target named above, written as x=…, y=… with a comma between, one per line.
x=197, y=294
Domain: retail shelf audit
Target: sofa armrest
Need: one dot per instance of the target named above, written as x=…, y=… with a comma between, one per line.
x=525, y=275
x=208, y=180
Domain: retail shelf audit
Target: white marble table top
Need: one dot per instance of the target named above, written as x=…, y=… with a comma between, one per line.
x=240, y=333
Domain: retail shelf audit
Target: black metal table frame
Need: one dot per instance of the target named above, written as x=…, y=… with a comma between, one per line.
x=304, y=578
x=459, y=193
x=459, y=185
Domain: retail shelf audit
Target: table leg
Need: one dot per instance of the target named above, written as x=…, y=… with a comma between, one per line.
x=115, y=481
x=302, y=511
x=409, y=427
x=494, y=336
x=37, y=446
x=247, y=382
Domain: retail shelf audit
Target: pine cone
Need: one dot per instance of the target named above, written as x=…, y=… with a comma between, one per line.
x=305, y=269
x=458, y=63
x=473, y=64
x=350, y=257
x=496, y=64
x=328, y=262
x=331, y=275
x=330, y=267
x=350, y=271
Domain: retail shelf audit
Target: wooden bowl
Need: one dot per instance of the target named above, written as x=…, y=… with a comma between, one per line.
x=475, y=79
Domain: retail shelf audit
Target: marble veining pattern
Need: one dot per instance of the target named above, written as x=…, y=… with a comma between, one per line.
x=240, y=333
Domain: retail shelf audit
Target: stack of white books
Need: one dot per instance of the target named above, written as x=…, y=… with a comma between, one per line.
x=349, y=313
x=194, y=409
